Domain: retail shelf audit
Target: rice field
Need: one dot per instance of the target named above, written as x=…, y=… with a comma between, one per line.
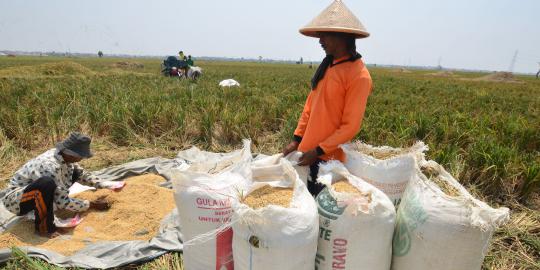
x=485, y=132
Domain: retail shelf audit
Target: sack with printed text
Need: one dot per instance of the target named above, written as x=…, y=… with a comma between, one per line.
x=275, y=223
x=204, y=194
x=356, y=222
x=440, y=225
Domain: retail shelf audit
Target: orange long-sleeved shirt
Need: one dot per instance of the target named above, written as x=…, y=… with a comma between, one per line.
x=334, y=110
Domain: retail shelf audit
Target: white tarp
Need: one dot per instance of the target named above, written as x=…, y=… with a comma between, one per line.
x=109, y=254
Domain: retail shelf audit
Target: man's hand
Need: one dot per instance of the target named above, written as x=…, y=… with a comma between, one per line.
x=308, y=158
x=290, y=148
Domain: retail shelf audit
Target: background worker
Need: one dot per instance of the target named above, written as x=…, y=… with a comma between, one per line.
x=182, y=64
x=340, y=88
x=42, y=184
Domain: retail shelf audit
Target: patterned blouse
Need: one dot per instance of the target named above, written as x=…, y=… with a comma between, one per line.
x=52, y=164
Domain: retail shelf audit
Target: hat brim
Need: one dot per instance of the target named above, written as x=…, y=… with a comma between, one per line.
x=59, y=146
x=70, y=152
x=315, y=31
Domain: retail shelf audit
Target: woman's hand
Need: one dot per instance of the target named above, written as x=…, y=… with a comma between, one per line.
x=100, y=204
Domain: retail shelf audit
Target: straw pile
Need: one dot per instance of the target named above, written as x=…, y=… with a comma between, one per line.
x=445, y=73
x=402, y=70
x=269, y=195
x=499, y=77
x=135, y=214
x=66, y=68
x=128, y=65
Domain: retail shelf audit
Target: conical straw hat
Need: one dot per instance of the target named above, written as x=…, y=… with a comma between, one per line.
x=335, y=18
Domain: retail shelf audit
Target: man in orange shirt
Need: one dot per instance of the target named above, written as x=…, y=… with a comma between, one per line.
x=341, y=85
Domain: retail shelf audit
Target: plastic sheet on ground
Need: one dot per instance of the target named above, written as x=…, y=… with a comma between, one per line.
x=107, y=254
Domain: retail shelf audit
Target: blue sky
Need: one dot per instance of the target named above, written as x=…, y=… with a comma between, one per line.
x=480, y=34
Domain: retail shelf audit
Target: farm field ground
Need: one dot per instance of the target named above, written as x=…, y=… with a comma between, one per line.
x=485, y=132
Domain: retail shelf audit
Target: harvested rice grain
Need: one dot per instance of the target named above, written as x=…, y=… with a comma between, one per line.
x=269, y=195
x=135, y=214
x=345, y=186
x=433, y=176
x=381, y=154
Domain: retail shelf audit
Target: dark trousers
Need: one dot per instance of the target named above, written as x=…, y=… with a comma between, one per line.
x=313, y=186
x=39, y=197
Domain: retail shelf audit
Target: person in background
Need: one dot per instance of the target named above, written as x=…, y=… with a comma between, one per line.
x=181, y=55
x=183, y=65
x=42, y=184
x=335, y=106
x=189, y=61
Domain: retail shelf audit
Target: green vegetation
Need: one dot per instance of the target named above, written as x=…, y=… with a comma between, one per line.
x=486, y=133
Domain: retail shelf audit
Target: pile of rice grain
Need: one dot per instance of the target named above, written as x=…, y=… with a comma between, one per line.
x=269, y=195
x=445, y=187
x=345, y=186
x=378, y=153
x=135, y=214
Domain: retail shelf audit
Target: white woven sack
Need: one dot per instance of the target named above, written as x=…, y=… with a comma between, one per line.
x=229, y=83
x=303, y=171
x=437, y=231
x=355, y=231
x=274, y=237
x=204, y=195
x=391, y=174
x=210, y=162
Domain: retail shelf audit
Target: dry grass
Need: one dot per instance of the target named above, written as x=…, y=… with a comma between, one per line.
x=517, y=244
